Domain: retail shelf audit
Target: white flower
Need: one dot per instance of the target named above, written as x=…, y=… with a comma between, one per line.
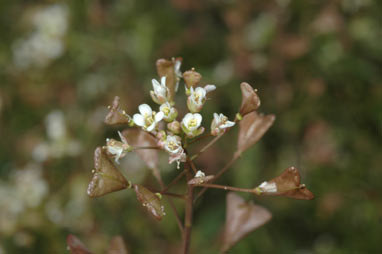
x=170, y=113
x=268, y=187
x=161, y=93
x=116, y=148
x=173, y=146
x=219, y=124
x=200, y=174
x=197, y=97
x=191, y=123
x=147, y=119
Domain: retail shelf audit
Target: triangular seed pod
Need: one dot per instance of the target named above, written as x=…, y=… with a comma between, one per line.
x=150, y=200
x=241, y=219
x=117, y=115
x=75, y=246
x=250, y=100
x=106, y=176
x=167, y=68
x=252, y=127
x=288, y=184
x=117, y=246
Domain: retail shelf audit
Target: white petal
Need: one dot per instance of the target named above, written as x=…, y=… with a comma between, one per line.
x=200, y=174
x=209, y=88
x=138, y=120
x=177, y=68
x=123, y=139
x=163, y=81
x=145, y=110
x=201, y=92
x=216, y=117
x=187, y=118
x=198, y=118
x=159, y=116
x=151, y=127
x=227, y=125
x=156, y=84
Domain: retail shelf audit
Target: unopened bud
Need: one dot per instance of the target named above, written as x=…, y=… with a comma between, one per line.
x=174, y=127
x=192, y=78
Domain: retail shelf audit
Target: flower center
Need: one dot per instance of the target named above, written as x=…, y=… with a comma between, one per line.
x=166, y=110
x=192, y=123
x=149, y=120
x=172, y=145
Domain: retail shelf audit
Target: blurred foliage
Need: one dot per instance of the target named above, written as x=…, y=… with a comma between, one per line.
x=316, y=64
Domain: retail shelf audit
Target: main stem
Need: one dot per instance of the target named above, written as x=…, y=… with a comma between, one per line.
x=188, y=213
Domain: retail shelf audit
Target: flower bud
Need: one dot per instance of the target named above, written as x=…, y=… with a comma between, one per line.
x=191, y=78
x=174, y=127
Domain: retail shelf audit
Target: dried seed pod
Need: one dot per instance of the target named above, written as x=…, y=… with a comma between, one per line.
x=252, y=127
x=106, y=178
x=192, y=78
x=117, y=115
x=287, y=184
x=241, y=219
x=250, y=100
x=150, y=200
x=117, y=246
x=169, y=69
x=75, y=245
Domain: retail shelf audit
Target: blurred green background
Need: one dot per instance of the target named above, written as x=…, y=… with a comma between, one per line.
x=316, y=65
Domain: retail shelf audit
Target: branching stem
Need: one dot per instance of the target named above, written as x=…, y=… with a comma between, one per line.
x=206, y=147
x=145, y=147
x=188, y=213
x=224, y=187
x=221, y=172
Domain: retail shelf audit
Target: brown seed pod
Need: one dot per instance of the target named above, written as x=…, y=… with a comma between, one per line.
x=250, y=100
x=116, y=115
x=252, y=127
x=241, y=219
x=149, y=200
x=287, y=184
x=106, y=178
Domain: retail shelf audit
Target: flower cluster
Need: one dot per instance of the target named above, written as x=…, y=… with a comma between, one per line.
x=173, y=136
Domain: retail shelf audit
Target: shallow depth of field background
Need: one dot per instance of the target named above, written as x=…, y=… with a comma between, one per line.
x=316, y=65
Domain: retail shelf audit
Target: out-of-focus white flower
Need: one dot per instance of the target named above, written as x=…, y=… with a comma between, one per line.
x=46, y=41
x=169, y=112
x=197, y=97
x=116, y=148
x=268, y=187
x=173, y=146
x=161, y=93
x=191, y=123
x=219, y=124
x=147, y=119
x=52, y=20
x=55, y=125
